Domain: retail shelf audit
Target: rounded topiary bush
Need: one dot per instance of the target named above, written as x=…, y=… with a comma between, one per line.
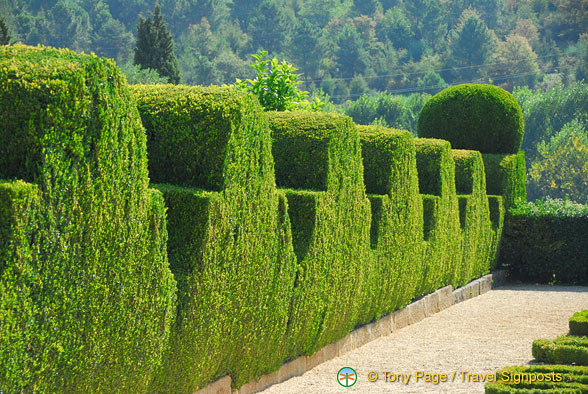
x=474, y=116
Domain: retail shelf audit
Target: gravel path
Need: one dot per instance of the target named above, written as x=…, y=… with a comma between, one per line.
x=477, y=336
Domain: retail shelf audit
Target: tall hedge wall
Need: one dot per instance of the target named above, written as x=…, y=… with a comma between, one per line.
x=390, y=176
x=256, y=275
x=322, y=151
x=229, y=233
x=479, y=239
x=86, y=293
x=442, y=254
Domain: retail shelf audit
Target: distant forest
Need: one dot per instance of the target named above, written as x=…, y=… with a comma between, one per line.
x=346, y=48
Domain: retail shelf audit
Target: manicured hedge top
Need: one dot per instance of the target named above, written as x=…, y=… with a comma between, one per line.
x=385, y=152
x=469, y=169
x=435, y=166
x=304, y=142
x=206, y=137
x=66, y=92
x=474, y=116
x=579, y=323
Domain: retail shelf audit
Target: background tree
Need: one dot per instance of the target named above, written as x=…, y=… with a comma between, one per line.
x=112, y=40
x=396, y=27
x=271, y=26
x=4, y=36
x=306, y=48
x=155, y=47
x=432, y=82
x=562, y=165
x=516, y=63
x=471, y=46
x=547, y=111
x=351, y=56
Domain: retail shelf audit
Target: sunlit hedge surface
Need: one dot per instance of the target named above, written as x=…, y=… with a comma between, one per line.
x=286, y=230
x=229, y=233
x=86, y=294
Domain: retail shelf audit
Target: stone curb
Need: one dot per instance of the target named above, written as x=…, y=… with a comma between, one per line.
x=410, y=314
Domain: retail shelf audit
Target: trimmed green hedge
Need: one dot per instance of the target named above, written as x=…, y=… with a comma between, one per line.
x=562, y=350
x=479, y=238
x=442, y=253
x=579, y=323
x=230, y=246
x=86, y=295
x=474, y=116
x=545, y=242
x=557, y=379
x=331, y=226
x=506, y=176
x=390, y=176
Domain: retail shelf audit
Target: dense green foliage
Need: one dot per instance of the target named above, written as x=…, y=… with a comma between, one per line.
x=86, y=294
x=505, y=176
x=562, y=350
x=155, y=47
x=579, y=323
x=392, y=45
x=557, y=379
x=470, y=116
x=275, y=85
x=230, y=245
x=561, y=166
x=546, y=242
x=390, y=176
x=321, y=151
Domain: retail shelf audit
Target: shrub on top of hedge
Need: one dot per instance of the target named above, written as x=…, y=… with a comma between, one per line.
x=474, y=116
x=87, y=288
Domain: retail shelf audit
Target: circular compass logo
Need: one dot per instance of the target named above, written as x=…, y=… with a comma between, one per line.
x=346, y=377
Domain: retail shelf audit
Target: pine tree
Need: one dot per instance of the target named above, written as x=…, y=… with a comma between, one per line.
x=471, y=46
x=4, y=36
x=155, y=47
